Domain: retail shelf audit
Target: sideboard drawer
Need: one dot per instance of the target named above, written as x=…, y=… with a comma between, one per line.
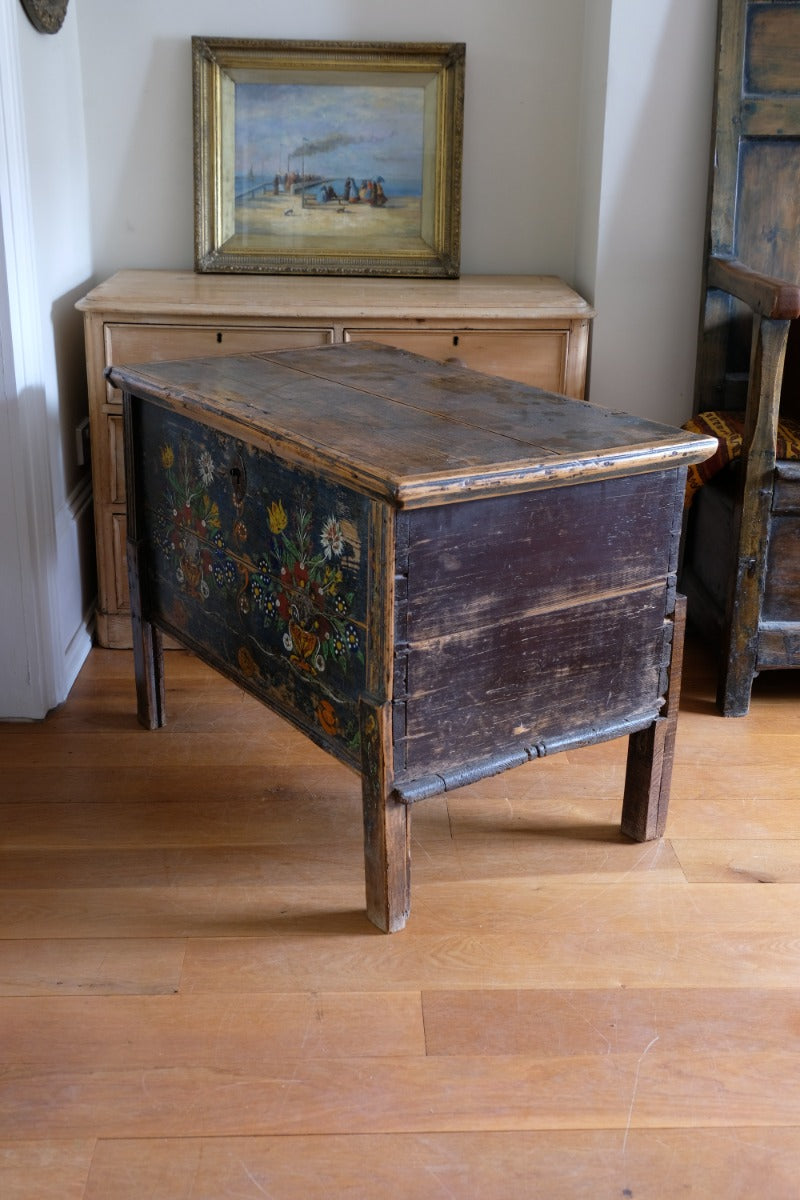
x=129, y=343
x=118, y=532
x=116, y=457
x=537, y=357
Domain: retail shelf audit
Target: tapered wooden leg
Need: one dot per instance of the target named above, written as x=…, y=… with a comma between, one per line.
x=387, y=824
x=739, y=650
x=148, y=653
x=651, y=753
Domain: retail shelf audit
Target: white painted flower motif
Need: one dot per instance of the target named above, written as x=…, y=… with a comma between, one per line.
x=206, y=466
x=332, y=538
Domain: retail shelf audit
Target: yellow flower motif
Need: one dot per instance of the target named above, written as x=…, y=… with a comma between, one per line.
x=276, y=515
x=167, y=457
x=212, y=516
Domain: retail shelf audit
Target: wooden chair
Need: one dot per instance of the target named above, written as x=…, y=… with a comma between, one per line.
x=741, y=567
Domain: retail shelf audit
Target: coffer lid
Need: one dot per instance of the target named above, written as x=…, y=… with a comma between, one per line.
x=409, y=429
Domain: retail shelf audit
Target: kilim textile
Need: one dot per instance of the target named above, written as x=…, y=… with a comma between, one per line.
x=728, y=428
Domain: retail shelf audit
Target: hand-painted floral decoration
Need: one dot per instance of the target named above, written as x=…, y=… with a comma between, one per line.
x=297, y=582
x=274, y=560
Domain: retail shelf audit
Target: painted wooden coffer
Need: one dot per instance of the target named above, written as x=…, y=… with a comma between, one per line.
x=435, y=574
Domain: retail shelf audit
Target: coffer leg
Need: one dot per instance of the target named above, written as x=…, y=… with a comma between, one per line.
x=387, y=825
x=148, y=653
x=651, y=753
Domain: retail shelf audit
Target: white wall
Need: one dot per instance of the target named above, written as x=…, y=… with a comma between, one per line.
x=522, y=113
x=46, y=262
x=53, y=102
x=589, y=150
x=656, y=137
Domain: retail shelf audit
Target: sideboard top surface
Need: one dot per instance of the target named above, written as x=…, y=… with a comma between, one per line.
x=486, y=297
x=408, y=429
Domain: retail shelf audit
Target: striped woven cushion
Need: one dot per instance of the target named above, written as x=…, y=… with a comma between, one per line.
x=728, y=428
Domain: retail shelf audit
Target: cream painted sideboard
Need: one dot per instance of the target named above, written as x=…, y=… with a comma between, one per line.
x=533, y=329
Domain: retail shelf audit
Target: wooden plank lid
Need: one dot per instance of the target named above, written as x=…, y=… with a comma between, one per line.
x=408, y=429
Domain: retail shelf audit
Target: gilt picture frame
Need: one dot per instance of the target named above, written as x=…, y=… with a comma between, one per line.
x=327, y=158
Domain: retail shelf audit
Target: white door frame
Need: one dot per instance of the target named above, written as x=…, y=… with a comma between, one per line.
x=30, y=657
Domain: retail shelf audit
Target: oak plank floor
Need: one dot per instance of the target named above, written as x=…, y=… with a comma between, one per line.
x=193, y=1005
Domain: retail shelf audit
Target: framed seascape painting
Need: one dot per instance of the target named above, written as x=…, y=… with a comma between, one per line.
x=328, y=158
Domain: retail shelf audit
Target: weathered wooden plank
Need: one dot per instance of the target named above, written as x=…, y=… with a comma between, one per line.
x=730, y=49
x=773, y=49
x=449, y=777
x=782, y=582
x=778, y=645
x=475, y=565
x=786, y=492
x=539, y=676
x=768, y=177
x=771, y=297
x=766, y=117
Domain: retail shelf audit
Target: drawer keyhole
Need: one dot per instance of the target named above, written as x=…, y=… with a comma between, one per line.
x=219, y=337
x=455, y=339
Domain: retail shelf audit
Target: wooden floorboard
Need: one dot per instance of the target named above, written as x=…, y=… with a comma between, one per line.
x=193, y=1005
x=728, y=1163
